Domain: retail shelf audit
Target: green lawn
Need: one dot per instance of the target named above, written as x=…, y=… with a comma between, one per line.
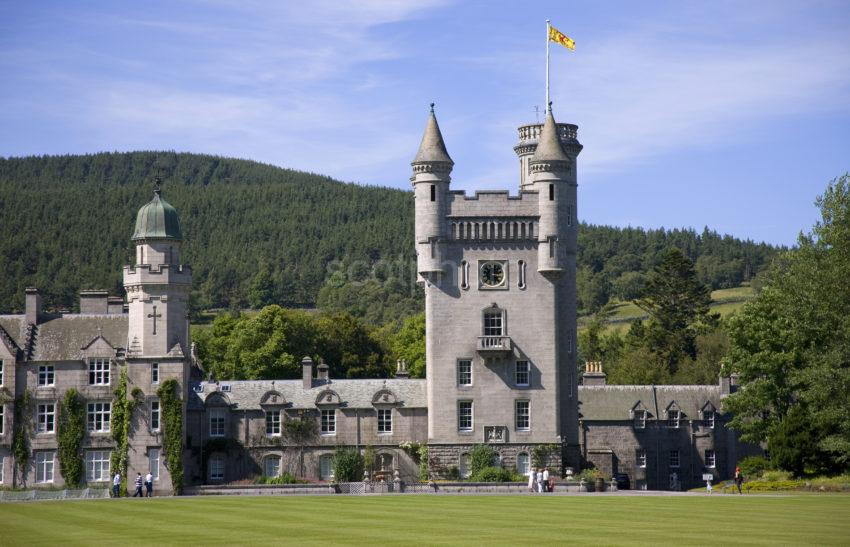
x=430, y=519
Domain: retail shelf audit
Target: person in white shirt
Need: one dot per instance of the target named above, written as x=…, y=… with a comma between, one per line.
x=116, y=485
x=539, y=481
x=149, y=485
x=531, y=472
x=545, y=480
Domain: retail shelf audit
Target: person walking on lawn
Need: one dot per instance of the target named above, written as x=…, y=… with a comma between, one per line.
x=116, y=485
x=138, y=486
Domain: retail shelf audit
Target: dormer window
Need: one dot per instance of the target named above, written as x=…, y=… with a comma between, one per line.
x=708, y=418
x=640, y=419
x=674, y=417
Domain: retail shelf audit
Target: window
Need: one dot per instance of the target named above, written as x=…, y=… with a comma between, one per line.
x=1, y=372
x=708, y=419
x=640, y=458
x=464, y=372
x=273, y=423
x=217, y=422
x=153, y=462
x=673, y=417
x=674, y=458
x=326, y=469
x=154, y=373
x=98, y=417
x=99, y=372
x=464, y=274
x=493, y=323
x=464, y=415
x=569, y=215
x=640, y=419
x=217, y=468
x=551, y=192
x=154, y=415
x=271, y=466
x=1, y=419
x=433, y=193
x=521, y=276
x=329, y=421
x=97, y=465
x=463, y=466
x=522, y=373
x=522, y=415
x=44, y=466
x=46, y=375
x=2, y=462
x=46, y=418
x=385, y=420
x=522, y=463
x=710, y=459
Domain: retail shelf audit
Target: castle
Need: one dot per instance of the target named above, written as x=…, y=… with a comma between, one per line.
x=499, y=278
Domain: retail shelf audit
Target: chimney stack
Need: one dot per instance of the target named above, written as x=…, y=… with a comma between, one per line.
x=307, y=372
x=593, y=375
x=94, y=302
x=323, y=370
x=33, y=305
x=401, y=369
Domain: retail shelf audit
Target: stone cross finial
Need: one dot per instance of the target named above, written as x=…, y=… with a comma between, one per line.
x=432, y=108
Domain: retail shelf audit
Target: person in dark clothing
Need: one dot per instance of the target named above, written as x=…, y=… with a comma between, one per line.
x=138, y=486
x=739, y=479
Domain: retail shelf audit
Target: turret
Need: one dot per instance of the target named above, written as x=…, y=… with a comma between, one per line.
x=552, y=173
x=158, y=285
x=432, y=169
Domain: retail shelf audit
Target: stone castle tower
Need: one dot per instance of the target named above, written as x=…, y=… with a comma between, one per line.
x=500, y=301
x=158, y=349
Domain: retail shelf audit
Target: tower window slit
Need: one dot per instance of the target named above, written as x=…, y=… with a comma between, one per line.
x=433, y=193
x=551, y=192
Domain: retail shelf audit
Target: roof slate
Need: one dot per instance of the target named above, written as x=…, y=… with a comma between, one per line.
x=613, y=403
x=246, y=394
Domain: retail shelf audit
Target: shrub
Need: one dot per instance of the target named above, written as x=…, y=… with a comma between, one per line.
x=480, y=457
x=347, y=465
x=496, y=474
x=590, y=475
x=283, y=478
x=754, y=466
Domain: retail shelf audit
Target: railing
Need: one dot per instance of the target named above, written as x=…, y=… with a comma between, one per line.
x=32, y=495
x=493, y=229
x=494, y=343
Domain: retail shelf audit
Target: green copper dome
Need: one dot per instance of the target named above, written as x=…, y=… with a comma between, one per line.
x=157, y=219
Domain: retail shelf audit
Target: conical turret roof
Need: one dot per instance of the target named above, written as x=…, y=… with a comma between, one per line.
x=549, y=145
x=433, y=148
x=157, y=219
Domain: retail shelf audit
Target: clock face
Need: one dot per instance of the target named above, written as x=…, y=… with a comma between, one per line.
x=492, y=274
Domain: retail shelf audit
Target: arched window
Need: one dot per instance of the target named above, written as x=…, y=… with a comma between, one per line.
x=326, y=471
x=497, y=460
x=521, y=274
x=464, y=274
x=464, y=466
x=271, y=466
x=522, y=463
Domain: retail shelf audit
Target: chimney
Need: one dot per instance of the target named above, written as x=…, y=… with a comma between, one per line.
x=33, y=305
x=114, y=304
x=401, y=369
x=323, y=370
x=729, y=384
x=593, y=375
x=307, y=372
x=92, y=302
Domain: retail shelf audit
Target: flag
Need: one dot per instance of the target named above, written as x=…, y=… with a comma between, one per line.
x=556, y=35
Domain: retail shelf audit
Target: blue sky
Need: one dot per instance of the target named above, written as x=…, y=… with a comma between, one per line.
x=729, y=114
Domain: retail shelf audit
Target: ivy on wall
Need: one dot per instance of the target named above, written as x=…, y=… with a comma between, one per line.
x=22, y=434
x=172, y=438
x=540, y=454
x=70, y=432
x=122, y=421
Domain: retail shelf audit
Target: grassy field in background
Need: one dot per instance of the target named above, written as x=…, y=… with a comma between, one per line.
x=430, y=519
x=723, y=301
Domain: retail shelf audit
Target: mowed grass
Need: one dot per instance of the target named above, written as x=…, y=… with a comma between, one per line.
x=432, y=519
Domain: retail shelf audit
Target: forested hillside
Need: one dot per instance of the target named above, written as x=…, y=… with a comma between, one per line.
x=256, y=234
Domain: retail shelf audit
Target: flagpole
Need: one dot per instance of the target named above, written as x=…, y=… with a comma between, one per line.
x=546, y=106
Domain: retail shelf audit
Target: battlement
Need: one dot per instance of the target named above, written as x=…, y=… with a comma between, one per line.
x=163, y=273
x=492, y=203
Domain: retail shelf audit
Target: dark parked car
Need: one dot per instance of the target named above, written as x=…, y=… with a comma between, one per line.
x=623, y=482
